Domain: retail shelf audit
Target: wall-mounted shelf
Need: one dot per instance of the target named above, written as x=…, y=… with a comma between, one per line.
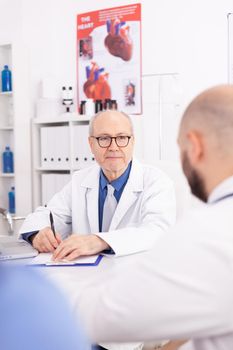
x=6, y=93
x=6, y=128
x=7, y=174
x=15, y=131
x=64, y=118
x=43, y=169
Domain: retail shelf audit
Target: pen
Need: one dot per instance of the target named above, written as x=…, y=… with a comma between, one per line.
x=52, y=223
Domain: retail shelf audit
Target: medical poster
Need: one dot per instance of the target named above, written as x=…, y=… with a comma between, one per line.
x=109, y=56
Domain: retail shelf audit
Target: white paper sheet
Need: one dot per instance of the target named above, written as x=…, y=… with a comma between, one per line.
x=46, y=259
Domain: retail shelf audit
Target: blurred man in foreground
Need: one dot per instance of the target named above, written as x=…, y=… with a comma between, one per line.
x=34, y=314
x=183, y=288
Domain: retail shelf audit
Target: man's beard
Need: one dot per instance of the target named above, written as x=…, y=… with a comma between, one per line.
x=195, y=180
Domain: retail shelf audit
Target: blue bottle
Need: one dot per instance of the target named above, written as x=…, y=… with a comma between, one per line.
x=6, y=79
x=8, y=160
x=11, y=200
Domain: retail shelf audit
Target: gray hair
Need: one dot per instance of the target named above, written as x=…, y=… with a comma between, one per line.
x=95, y=116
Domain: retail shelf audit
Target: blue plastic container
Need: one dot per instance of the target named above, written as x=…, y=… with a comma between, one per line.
x=11, y=200
x=6, y=79
x=8, y=160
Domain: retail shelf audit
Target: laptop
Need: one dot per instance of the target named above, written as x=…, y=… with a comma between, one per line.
x=13, y=248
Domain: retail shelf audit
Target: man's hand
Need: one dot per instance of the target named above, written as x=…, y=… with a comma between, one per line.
x=45, y=241
x=77, y=245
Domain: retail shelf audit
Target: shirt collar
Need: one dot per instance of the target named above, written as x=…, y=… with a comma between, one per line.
x=119, y=182
x=223, y=189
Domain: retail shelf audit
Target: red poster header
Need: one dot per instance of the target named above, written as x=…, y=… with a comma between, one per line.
x=86, y=22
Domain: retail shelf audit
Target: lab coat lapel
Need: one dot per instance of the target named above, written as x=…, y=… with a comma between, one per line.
x=92, y=208
x=130, y=194
x=128, y=197
x=91, y=183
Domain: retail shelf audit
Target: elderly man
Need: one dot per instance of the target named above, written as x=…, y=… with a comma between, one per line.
x=118, y=206
x=183, y=287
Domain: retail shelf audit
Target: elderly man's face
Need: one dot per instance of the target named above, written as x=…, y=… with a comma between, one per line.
x=112, y=159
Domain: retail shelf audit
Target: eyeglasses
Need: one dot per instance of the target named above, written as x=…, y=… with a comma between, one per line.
x=106, y=141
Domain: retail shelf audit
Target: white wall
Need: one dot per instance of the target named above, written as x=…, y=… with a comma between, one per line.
x=187, y=37
x=177, y=36
x=10, y=20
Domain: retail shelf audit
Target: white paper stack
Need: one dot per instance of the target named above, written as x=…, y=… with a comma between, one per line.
x=46, y=259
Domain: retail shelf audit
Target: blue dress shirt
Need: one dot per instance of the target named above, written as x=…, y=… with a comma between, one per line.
x=26, y=236
x=118, y=184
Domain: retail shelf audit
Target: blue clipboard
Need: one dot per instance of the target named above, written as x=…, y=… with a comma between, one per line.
x=70, y=264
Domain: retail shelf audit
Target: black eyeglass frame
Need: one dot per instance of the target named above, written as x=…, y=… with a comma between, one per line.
x=112, y=137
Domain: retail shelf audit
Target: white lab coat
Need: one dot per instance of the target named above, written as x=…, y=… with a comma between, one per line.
x=182, y=288
x=146, y=209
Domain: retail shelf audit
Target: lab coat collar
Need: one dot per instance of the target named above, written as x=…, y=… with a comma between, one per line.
x=223, y=189
x=91, y=183
x=117, y=183
x=136, y=174
x=92, y=178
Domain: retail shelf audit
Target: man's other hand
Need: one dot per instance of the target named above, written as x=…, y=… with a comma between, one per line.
x=79, y=245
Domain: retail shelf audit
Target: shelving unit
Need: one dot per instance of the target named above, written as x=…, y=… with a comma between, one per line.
x=68, y=141
x=6, y=126
x=15, y=132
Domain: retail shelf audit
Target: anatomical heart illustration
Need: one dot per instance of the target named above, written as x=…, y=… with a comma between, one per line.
x=109, y=57
x=96, y=86
x=118, y=40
